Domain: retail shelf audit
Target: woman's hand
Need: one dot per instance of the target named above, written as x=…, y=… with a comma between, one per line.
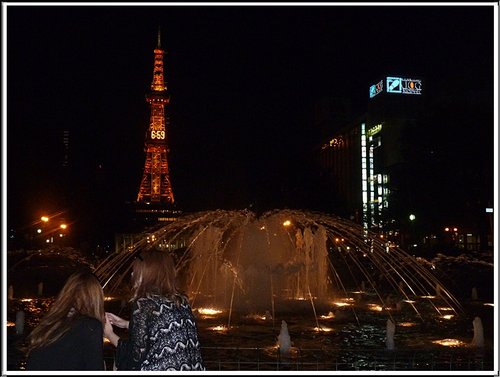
x=116, y=321
x=109, y=333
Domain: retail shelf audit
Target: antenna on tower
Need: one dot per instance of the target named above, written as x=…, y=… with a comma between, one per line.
x=159, y=42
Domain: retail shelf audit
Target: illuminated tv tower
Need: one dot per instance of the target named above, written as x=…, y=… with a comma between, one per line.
x=155, y=187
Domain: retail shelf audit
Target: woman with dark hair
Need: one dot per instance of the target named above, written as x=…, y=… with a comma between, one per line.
x=162, y=329
x=70, y=335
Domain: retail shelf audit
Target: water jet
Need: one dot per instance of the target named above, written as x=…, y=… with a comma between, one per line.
x=390, y=330
x=284, y=342
x=283, y=261
x=20, y=318
x=478, y=339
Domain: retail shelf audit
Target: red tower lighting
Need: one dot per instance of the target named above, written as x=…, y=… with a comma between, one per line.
x=155, y=185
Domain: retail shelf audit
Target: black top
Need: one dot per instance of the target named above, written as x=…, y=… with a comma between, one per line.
x=162, y=336
x=81, y=348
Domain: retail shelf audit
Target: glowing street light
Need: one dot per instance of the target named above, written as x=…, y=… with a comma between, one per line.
x=412, y=235
x=59, y=227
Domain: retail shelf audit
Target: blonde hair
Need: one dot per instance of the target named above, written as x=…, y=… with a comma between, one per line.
x=81, y=295
x=153, y=273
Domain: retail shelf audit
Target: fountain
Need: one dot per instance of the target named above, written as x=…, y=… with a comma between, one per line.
x=478, y=340
x=336, y=287
x=390, y=330
x=438, y=290
x=284, y=342
x=474, y=295
x=281, y=261
x=40, y=289
x=20, y=317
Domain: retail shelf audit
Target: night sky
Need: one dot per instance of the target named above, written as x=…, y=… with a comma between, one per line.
x=243, y=82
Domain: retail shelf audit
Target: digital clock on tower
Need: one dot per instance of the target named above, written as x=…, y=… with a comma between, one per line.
x=157, y=135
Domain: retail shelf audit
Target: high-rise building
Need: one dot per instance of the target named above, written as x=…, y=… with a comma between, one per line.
x=393, y=110
x=404, y=168
x=364, y=159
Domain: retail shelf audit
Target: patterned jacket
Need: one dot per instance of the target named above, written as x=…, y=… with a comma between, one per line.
x=162, y=336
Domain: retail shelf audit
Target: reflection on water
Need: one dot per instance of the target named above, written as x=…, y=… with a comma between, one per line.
x=218, y=328
x=449, y=342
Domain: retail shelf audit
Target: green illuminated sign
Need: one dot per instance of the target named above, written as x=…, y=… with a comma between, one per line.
x=373, y=130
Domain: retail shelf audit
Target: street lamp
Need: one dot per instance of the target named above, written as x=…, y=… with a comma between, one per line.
x=50, y=225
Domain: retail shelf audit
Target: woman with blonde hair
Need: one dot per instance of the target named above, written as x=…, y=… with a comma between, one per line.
x=162, y=329
x=70, y=335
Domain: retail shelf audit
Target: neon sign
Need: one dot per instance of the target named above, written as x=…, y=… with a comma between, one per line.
x=397, y=85
x=404, y=86
x=376, y=88
x=374, y=130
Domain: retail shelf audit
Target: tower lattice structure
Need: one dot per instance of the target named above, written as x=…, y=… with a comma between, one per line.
x=155, y=184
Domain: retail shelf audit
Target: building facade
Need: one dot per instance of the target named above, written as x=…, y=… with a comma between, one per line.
x=402, y=168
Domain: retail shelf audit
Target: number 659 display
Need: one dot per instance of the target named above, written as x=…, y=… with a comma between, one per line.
x=157, y=134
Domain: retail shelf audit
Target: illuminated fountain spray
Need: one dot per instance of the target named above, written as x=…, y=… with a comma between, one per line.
x=474, y=295
x=281, y=261
x=40, y=289
x=20, y=318
x=390, y=330
x=284, y=342
x=478, y=340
